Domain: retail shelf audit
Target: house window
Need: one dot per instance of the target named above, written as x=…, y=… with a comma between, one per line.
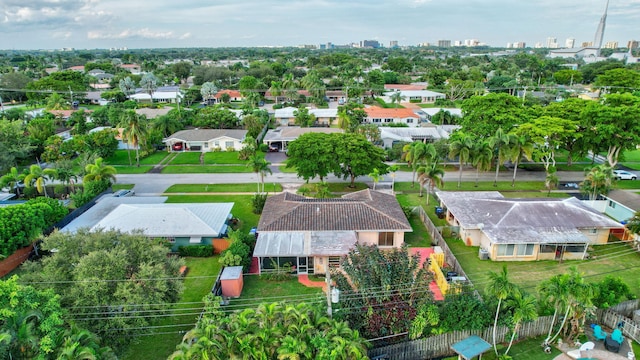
x=593, y=231
x=388, y=120
x=612, y=204
x=334, y=261
x=385, y=239
x=409, y=121
x=206, y=145
x=505, y=249
x=216, y=144
x=228, y=144
x=525, y=249
x=548, y=248
x=171, y=240
x=377, y=120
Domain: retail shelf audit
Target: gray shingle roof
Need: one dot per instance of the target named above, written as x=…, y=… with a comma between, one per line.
x=207, y=134
x=364, y=210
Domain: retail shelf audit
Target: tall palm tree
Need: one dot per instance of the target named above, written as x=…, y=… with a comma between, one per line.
x=431, y=175
x=481, y=157
x=500, y=144
x=276, y=89
x=375, y=177
x=416, y=154
x=38, y=176
x=551, y=181
x=12, y=179
x=81, y=344
x=99, y=171
x=597, y=181
x=392, y=172
x=524, y=309
x=66, y=173
x=462, y=147
x=135, y=131
x=521, y=147
x=554, y=291
x=260, y=166
x=500, y=288
x=23, y=337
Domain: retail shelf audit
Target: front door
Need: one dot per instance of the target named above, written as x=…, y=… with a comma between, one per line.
x=302, y=265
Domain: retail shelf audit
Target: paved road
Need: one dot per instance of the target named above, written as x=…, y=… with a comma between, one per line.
x=158, y=183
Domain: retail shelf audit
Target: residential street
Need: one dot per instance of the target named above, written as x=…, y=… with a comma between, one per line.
x=147, y=184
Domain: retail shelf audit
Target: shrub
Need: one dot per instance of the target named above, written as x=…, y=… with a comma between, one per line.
x=263, y=147
x=196, y=250
x=229, y=259
x=238, y=248
x=60, y=189
x=29, y=192
x=257, y=203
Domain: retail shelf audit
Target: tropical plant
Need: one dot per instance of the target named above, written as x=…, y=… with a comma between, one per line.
x=499, y=287
x=127, y=86
x=322, y=190
x=149, y=83
x=397, y=97
x=260, y=166
x=461, y=147
x=431, y=175
x=12, y=179
x=135, y=131
x=523, y=308
x=416, y=153
x=597, y=181
x=99, y=171
x=521, y=146
x=166, y=125
x=551, y=180
x=375, y=177
x=38, y=176
x=500, y=144
x=481, y=157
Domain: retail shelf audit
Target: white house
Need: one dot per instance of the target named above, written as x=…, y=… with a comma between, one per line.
x=205, y=140
x=378, y=116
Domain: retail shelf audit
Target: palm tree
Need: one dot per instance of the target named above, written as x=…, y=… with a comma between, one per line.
x=149, y=83
x=12, y=179
x=500, y=144
x=392, y=171
x=166, y=125
x=375, y=176
x=23, y=337
x=322, y=190
x=65, y=172
x=397, y=97
x=554, y=291
x=597, y=181
x=462, y=147
x=135, y=131
x=260, y=166
x=481, y=157
x=432, y=176
x=499, y=287
x=524, y=309
x=276, y=89
x=38, y=176
x=521, y=146
x=551, y=180
x=127, y=86
x=416, y=153
x=82, y=345
x=99, y=171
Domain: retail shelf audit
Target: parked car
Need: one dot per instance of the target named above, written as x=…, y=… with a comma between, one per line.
x=123, y=193
x=273, y=148
x=177, y=147
x=623, y=175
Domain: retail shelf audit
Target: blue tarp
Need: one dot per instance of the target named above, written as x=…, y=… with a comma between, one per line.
x=471, y=347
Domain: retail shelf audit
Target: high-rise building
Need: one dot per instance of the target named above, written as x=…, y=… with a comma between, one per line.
x=458, y=43
x=611, y=45
x=632, y=44
x=393, y=43
x=570, y=43
x=552, y=43
x=597, y=42
x=369, y=44
x=444, y=43
x=519, y=45
x=538, y=45
x=587, y=43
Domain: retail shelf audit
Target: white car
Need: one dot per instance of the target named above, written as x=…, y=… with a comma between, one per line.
x=623, y=175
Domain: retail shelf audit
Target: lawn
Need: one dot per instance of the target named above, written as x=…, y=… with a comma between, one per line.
x=205, y=169
x=186, y=158
x=241, y=209
x=259, y=290
x=287, y=170
x=154, y=158
x=338, y=188
x=631, y=156
x=488, y=186
x=224, y=157
x=133, y=169
x=198, y=282
x=627, y=184
x=200, y=188
x=120, y=157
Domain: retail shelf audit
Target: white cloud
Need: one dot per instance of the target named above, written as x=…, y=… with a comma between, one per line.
x=144, y=33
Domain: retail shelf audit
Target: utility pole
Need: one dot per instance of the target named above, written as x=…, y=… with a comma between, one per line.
x=328, y=278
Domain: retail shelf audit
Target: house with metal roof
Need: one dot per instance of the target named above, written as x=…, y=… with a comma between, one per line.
x=324, y=117
x=205, y=140
x=508, y=229
x=312, y=234
x=431, y=133
x=281, y=136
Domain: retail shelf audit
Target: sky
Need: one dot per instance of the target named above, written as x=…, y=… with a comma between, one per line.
x=90, y=24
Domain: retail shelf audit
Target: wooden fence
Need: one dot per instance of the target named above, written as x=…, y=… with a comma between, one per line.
x=450, y=259
x=619, y=316
x=440, y=345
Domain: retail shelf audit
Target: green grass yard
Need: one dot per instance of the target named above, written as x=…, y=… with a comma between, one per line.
x=257, y=290
x=200, y=188
x=197, y=283
x=224, y=157
x=132, y=169
x=186, y=158
x=205, y=169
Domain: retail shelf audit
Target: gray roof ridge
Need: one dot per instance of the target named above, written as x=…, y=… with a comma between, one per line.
x=513, y=205
x=387, y=215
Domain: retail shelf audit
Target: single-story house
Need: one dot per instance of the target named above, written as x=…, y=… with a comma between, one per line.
x=377, y=116
x=417, y=96
x=403, y=87
x=392, y=135
x=132, y=68
x=508, y=229
x=205, y=140
x=621, y=204
x=164, y=94
x=180, y=224
x=324, y=117
x=234, y=95
x=312, y=234
x=280, y=137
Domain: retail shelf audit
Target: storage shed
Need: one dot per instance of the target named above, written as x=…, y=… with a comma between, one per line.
x=231, y=281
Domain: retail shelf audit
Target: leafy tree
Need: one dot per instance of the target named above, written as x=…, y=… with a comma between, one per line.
x=79, y=122
x=619, y=80
x=375, y=313
x=483, y=115
x=14, y=145
x=303, y=118
x=166, y=125
x=98, y=171
x=97, y=270
x=461, y=147
x=571, y=109
x=68, y=83
x=610, y=291
x=500, y=288
x=17, y=82
x=568, y=77
x=208, y=91
x=354, y=156
x=40, y=129
x=253, y=123
x=247, y=85
x=182, y=70
x=351, y=116
x=312, y=155
x=103, y=143
x=551, y=180
x=295, y=331
x=216, y=117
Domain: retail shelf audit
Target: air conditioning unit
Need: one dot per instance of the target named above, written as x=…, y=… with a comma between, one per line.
x=483, y=254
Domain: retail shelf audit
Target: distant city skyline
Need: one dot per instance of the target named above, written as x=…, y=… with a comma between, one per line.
x=89, y=24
